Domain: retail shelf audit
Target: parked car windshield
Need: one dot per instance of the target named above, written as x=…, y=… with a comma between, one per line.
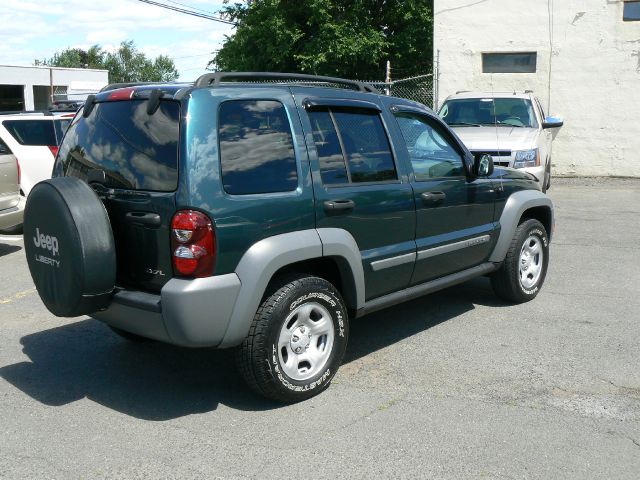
x=514, y=112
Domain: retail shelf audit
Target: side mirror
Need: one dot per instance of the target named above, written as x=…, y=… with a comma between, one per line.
x=552, y=122
x=482, y=165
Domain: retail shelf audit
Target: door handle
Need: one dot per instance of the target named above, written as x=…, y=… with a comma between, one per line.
x=433, y=197
x=338, y=205
x=146, y=219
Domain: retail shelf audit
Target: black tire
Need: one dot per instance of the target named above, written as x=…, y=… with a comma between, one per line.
x=69, y=246
x=263, y=364
x=507, y=282
x=132, y=337
x=547, y=177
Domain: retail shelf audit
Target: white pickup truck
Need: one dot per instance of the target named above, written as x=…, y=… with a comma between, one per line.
x=511, y=127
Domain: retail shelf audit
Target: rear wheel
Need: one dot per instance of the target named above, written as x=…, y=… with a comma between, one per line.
x=522, y=274
x=296, y=342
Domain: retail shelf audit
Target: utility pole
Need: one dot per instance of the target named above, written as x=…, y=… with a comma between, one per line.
x=387, y=78
x=51, y=84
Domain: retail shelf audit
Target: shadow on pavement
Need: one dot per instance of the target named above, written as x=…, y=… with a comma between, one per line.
x=6, y=249
x=155, y=381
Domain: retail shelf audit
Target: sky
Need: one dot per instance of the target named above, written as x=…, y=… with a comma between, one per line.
x=36, y=29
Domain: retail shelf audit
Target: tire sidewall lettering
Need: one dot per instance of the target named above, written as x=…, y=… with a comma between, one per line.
x=338, y=319
x=543, y=237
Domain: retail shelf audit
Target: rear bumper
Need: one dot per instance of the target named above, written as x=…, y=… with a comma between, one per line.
x=190, y=313
x=12, y=217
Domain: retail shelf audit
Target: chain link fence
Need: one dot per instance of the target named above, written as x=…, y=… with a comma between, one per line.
x=419, y=89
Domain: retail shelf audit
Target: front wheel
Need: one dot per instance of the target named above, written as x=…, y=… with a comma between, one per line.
x=296, y=342
x=522, y=274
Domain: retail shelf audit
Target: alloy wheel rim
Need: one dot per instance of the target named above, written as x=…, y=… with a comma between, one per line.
x=530, y=262
x=305, y=341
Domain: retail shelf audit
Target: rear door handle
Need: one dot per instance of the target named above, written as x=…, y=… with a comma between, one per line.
x=146, y=219
x=338, y=205
x=433, y=197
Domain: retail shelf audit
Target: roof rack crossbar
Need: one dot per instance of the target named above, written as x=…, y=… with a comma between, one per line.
x=215, y=78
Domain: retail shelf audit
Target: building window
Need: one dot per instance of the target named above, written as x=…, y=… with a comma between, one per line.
x=521, y=62
x=631, y=12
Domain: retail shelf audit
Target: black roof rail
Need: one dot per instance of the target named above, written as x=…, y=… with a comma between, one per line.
x=46, y=113
x=215, y=78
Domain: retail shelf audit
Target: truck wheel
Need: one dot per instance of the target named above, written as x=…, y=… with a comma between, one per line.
x=547, y=177
x=296, y=342
x=522, y=274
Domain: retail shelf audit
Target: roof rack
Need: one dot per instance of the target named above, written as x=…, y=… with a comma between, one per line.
x=46, y=113
x=215, y=78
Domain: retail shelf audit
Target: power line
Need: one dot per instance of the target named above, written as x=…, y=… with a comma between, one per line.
x=188, y=12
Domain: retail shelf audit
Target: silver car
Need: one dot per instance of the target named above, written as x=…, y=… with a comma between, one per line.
x=511, y=127
x=11, y=202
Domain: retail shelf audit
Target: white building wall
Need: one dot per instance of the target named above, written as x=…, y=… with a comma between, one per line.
x=79, y=81
x=588, y=71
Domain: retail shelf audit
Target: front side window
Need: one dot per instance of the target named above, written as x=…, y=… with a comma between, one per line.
x=431, y=154
x=256, y=147
x=352, y=146
x=512, y=112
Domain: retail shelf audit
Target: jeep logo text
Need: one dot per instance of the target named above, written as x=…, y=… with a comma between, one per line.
x=46, y=241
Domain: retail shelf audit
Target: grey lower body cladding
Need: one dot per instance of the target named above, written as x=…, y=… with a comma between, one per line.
x=190, y=313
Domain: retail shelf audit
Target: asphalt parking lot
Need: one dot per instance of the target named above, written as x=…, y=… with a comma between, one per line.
x=454, y=385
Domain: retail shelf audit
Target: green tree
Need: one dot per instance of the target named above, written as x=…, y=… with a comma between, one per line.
x=127, y=64
x=329, y=37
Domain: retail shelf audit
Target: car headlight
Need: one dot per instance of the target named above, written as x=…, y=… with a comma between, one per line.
x=527, y=158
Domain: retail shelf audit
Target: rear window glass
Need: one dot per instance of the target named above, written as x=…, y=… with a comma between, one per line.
x=135, y=150
x=256, y=147
x=32, y=132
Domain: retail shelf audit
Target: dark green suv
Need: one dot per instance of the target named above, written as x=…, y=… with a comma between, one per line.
x=263, y=211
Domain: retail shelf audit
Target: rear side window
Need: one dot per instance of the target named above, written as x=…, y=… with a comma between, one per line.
x=32, y=132
x=256, y=147
x=352, y=146
x=136, y=150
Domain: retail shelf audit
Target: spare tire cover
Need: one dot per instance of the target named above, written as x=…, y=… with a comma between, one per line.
x=69, y=246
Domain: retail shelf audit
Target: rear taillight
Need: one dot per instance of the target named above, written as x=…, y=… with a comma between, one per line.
x=193, y=244
x=122, y=94
x=54, y=149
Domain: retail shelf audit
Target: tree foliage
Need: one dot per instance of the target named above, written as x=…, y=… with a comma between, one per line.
x=329, y=37
x=127, y=64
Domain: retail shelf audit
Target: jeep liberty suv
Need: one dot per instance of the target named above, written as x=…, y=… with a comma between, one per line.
x=263, y=211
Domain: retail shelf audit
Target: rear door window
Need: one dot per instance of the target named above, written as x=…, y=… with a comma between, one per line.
x=32, y=132
x=256, y=147
x=352, y=146
x=136, y=150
